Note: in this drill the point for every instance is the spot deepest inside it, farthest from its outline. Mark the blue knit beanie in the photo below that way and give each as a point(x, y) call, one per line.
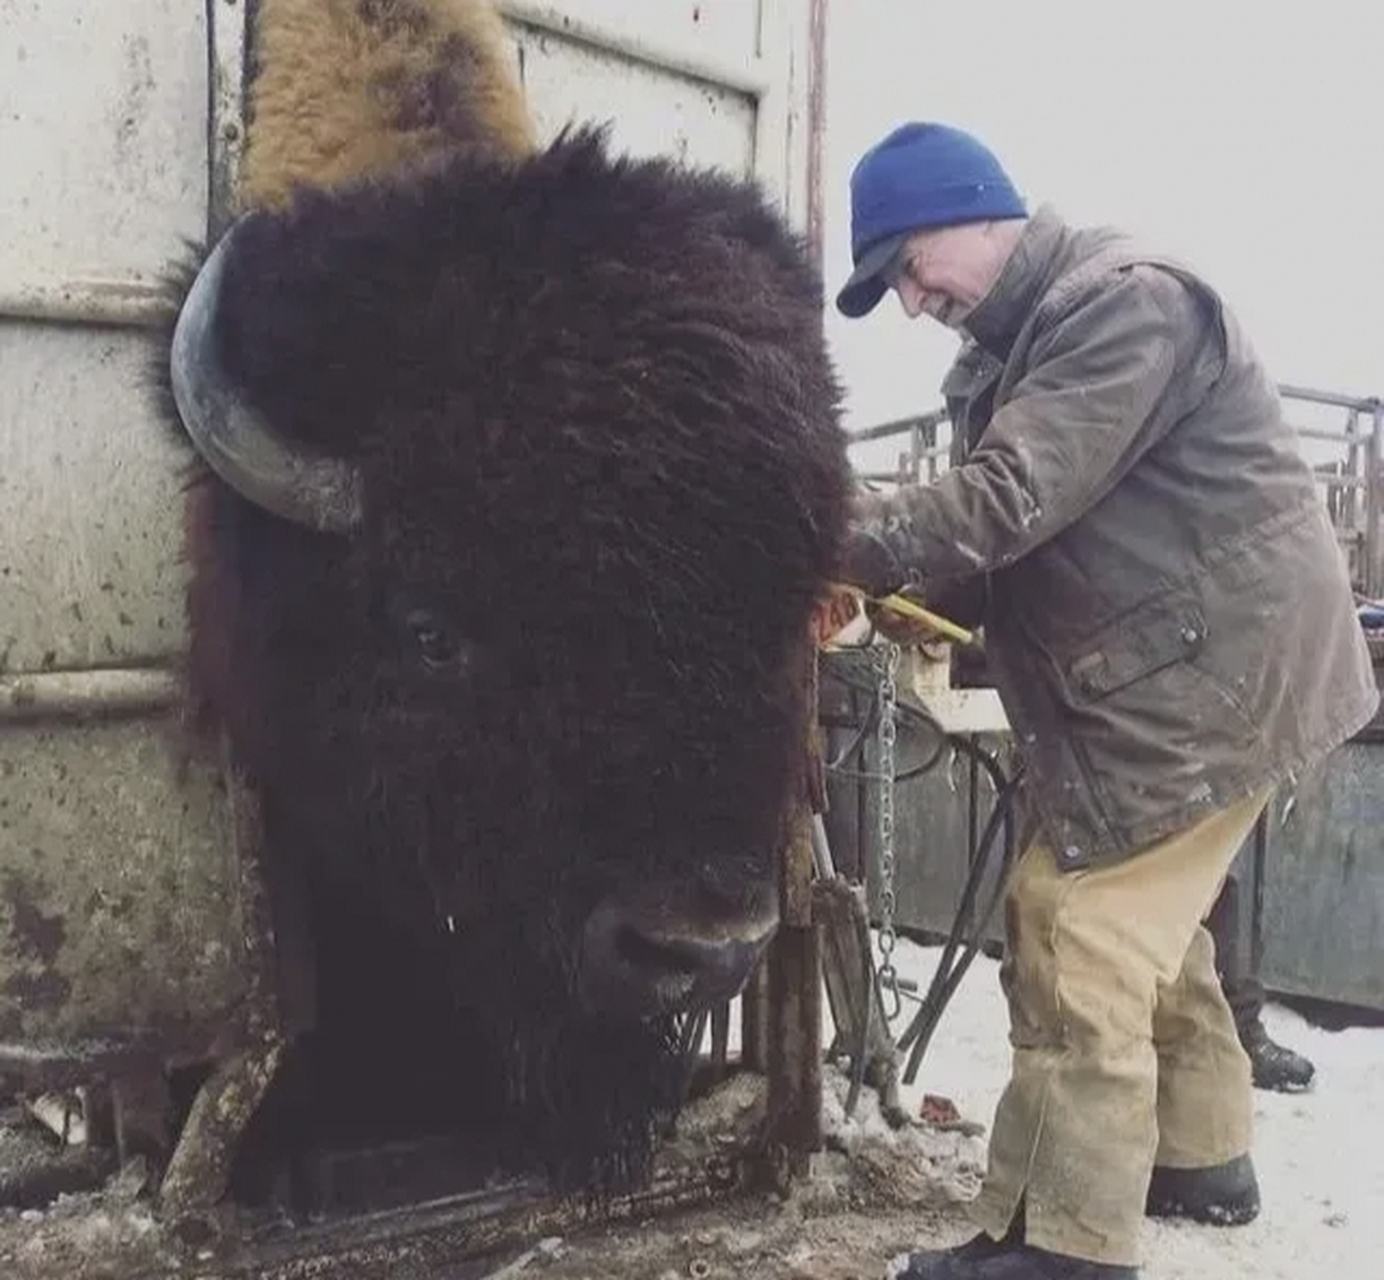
point(921, 175)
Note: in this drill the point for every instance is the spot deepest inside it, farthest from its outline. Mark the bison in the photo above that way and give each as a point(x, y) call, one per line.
point(519, 470)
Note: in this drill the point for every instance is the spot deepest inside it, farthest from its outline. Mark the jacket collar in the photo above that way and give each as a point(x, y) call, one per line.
point(996, 319)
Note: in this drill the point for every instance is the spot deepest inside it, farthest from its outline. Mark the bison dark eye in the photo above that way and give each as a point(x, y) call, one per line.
point(438, 647)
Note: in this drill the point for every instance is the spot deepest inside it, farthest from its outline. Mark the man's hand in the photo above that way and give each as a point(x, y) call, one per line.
point(868, 563)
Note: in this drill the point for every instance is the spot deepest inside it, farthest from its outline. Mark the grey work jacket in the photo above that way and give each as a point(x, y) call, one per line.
point(1168, 616)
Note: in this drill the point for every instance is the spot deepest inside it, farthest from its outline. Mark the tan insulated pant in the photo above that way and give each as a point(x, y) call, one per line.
point(1125, 1051)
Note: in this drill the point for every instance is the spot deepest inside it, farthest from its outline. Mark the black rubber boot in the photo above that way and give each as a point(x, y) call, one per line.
point(1275, 1067)
point(985, 1259)
point(1224, 1195)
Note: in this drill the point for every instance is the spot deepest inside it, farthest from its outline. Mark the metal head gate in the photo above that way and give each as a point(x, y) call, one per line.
point(133, 928)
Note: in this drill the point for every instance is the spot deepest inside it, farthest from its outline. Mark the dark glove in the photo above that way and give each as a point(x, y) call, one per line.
point(868, 564)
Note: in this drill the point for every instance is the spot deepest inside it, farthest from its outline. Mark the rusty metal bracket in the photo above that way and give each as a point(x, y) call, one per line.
point(862, 1031)
point(200, 1168)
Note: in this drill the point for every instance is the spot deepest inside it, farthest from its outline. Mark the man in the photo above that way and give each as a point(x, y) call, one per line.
point(1170, 625)
point(1273, 1066)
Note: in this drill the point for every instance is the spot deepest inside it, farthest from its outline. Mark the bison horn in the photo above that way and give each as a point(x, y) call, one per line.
point(321, 492)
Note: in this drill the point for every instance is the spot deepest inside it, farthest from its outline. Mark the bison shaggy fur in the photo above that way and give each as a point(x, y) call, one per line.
point(558, 663)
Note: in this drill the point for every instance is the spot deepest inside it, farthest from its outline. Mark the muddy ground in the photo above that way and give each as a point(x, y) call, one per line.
point(872, 1192)
point(762, 1238)
point(758, 1237)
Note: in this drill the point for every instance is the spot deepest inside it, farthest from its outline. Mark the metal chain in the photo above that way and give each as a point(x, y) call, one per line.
point(887, 734)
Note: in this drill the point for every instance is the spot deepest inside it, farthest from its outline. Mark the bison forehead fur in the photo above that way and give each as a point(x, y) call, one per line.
point(559, 663)
point(597, 430)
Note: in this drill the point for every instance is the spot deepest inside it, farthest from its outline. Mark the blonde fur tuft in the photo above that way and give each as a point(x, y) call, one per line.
point(350, 89)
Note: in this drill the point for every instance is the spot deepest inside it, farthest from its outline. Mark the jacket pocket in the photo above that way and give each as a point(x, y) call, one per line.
point(1139, 644)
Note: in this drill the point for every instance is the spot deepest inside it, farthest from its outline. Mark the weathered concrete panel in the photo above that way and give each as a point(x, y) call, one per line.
point(91, 569)
point(103, 138)
point(123, 912)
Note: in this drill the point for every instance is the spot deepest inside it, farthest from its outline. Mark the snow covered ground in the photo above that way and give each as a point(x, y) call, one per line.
point(1319, 1155)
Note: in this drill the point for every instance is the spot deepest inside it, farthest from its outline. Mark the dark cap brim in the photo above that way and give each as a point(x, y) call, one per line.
point(862, 292)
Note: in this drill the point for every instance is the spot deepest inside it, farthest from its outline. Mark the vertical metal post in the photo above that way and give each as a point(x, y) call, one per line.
point(816, 128)
point(787, 1011)
point(754, 1019)
point(972, 816)
point(1373, 572)
point(720, 1041)
point(794, 1129)
point(1351, 498)
point(227, 28)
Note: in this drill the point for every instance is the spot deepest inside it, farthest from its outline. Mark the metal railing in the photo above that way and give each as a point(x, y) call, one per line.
point(922, 461)
point(1353, 483)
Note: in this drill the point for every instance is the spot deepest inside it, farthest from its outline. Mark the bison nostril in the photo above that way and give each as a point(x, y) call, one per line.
point(672, 955)
point(633, 961)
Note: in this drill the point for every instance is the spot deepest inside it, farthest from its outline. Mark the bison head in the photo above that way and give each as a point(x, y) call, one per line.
point(529, 474)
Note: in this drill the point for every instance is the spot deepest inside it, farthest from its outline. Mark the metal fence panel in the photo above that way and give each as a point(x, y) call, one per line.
point(1321, 931)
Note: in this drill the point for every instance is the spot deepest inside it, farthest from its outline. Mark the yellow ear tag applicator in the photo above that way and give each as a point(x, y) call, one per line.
point(906, 608)
point(831, 621)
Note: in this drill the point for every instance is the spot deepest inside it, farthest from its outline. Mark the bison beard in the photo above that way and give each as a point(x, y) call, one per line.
point(528, 735)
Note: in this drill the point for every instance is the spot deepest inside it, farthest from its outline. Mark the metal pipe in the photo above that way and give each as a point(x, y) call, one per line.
point(1348, 502)
point(816, 129)
point(120, 303)
point(1342, 481)
point(741, 76)
point(63, 694)
point(897, 427)
point(794, 963)
point(926, 452)
point(754, 1020)
point(1365, 405)
point(1323, 433)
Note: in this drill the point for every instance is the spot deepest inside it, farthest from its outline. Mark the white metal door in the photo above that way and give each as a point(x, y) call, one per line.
point(726, 83)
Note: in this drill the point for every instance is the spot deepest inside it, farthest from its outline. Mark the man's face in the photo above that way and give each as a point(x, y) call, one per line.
point(935, 273)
